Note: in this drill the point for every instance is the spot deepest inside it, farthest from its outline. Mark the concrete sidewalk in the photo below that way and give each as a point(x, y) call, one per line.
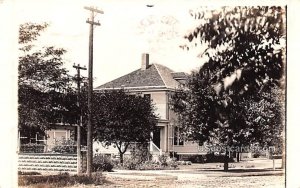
point(190, 175)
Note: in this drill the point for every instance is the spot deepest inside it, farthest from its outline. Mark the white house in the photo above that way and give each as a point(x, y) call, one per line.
point(156, 82)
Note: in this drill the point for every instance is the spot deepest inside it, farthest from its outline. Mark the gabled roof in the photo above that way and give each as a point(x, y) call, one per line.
point(155, 76)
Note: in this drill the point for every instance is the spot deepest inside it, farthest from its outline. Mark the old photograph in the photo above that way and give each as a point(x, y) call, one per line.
point(150, 94)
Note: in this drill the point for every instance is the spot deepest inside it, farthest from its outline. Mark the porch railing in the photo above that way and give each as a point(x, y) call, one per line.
point(155, 149)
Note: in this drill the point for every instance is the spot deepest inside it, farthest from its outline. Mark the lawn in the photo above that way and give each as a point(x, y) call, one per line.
point(250, 173)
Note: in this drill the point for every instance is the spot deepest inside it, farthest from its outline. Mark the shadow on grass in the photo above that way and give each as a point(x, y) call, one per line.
point(243, 172)
point(247, 170)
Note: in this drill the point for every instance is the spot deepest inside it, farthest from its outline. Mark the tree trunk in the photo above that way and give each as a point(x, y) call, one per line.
point(238, 156)
point(226, 161)
point(121, 158)
point(121, 152)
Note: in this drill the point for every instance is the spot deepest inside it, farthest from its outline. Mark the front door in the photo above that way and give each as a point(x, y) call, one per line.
point(156, 136)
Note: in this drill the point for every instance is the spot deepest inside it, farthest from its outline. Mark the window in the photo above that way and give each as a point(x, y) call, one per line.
point(178, 137)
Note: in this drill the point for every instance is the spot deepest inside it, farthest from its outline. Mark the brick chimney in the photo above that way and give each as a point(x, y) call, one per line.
point(145, 61)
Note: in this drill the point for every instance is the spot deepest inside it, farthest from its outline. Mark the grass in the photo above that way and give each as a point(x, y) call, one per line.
point(60, 180)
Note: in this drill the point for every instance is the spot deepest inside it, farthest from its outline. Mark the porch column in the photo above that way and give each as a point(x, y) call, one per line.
point(165, 140)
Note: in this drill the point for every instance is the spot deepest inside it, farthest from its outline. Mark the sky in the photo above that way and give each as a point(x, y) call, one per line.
point(128, 29)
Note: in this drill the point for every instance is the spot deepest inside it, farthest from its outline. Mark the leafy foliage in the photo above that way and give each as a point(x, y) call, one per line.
point(102, 163)
point(246, 39)
point(130, 164)
point(246, 62)
point(122, 119)
point(46, 94)
point(163, 159)
point(213, 158)
point(41, 68)
point(29, 32)
point(65, 146)
point(140, 153)
point(32, 148)
point(265, 114)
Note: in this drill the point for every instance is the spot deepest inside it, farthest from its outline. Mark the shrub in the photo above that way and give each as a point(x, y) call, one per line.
point(134, 163)
point(150, 165)
point(256, 155)
point(65, 146)
point(140, 153)
point(130, 165)
point(163, 160)
point(102, 163)
point(32, 148)
point(197, 158)
point(173, 164)
point(212, 158)
point(116, 162)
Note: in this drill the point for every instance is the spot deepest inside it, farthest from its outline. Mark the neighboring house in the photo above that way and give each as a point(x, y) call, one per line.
point(57, 133)
point(156, 82)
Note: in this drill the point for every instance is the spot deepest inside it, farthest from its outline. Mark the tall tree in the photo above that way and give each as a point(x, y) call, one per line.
point(45, 88)
point(122, 119)
point(245, 50)
point(265, 113)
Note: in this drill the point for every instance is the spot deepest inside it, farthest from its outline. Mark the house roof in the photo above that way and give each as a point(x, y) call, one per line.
point(179, 75)
point(155, 76)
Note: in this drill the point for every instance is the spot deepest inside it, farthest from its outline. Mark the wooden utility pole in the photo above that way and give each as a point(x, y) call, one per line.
point(79, 124)
point(92, 22)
